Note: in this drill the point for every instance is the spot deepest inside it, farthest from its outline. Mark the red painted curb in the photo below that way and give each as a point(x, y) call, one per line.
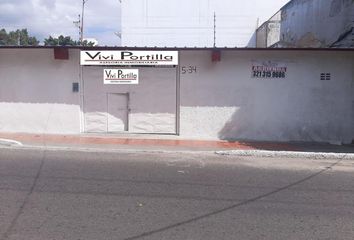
point(107, 140)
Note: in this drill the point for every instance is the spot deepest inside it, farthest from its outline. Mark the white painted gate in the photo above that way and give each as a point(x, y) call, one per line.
point(147, 107)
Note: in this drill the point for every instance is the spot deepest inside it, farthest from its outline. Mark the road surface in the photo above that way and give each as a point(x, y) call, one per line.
point(56, 195)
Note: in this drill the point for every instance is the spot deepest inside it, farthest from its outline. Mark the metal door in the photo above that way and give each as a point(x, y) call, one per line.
point(154, 102)
point(117, 112)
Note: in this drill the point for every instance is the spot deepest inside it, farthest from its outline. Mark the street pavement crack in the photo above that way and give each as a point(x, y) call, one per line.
point(25, 201)
point(248, 201)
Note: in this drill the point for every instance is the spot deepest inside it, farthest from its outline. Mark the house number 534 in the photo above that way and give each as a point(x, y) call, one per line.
point(188, 69)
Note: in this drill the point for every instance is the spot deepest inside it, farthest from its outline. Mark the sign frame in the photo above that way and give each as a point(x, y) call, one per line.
point(124, 76)
point(128, 58)
point(269, 70)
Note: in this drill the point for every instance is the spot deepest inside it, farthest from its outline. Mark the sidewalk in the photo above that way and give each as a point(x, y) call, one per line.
point(161, 143)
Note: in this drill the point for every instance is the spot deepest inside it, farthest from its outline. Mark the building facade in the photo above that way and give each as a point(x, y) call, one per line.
point(190, 23)
point(310, 23)
point(228, 94)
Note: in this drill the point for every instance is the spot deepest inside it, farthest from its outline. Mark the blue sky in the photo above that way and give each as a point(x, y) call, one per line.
point(55, 17)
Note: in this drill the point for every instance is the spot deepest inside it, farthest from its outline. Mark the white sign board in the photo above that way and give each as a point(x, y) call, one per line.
point(121, 76)
point(129, 58)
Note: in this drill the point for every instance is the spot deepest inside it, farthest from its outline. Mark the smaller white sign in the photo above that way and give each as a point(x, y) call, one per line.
point(121, 76)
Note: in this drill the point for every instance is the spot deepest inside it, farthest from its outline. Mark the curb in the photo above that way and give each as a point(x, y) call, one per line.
point(241, 153)
point(9, 142)
point(102, 150)
point(286, 154)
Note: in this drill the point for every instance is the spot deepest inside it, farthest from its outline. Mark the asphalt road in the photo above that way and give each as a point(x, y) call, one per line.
point(56, 195)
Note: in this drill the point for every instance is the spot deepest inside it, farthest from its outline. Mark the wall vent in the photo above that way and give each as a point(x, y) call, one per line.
point(325, 76)
point(61, 53)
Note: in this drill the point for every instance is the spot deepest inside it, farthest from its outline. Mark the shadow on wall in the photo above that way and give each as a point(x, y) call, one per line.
point(237, 126)
point(248, 123)
point(294, 138)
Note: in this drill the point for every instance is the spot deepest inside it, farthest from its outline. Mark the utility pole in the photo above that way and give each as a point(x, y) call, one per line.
point(19, 38)
point(82, 22)
point(214, 30)
point(78, 25)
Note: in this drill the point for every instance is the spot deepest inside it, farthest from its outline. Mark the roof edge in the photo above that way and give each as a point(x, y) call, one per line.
point(175, 48)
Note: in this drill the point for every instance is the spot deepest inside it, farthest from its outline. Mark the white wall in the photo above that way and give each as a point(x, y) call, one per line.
point(36, 92)
point(219, 101)
point(191, 22)
point(223, 101)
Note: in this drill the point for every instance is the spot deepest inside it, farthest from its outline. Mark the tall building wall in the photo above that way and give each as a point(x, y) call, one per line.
point(191, 22)
point(311, 23)
point(316, 23)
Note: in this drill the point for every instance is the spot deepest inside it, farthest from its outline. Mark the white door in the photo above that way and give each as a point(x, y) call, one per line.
point(117, 112)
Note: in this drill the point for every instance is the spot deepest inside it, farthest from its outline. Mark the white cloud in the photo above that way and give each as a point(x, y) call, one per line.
point(55, 17)
point(49, 4)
